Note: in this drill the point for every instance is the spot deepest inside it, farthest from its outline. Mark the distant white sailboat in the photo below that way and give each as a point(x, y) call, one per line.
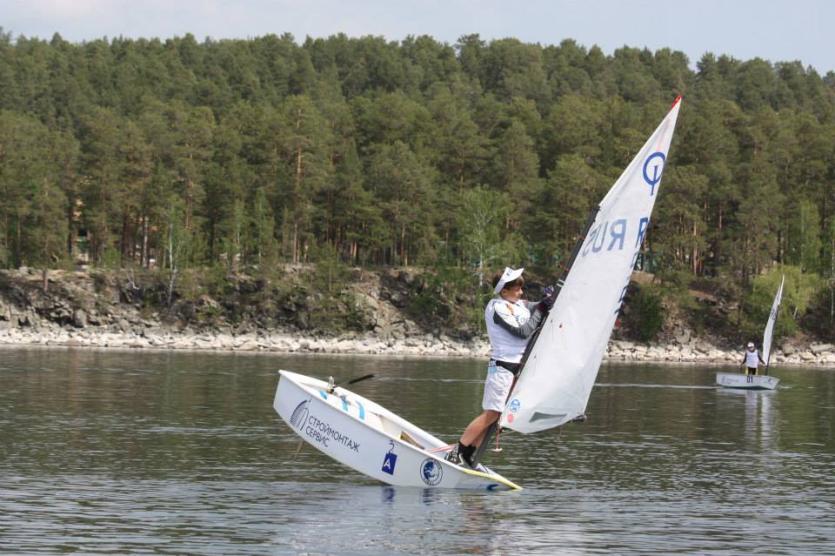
point(758, 382)
point(559, 371)
point(772, 320)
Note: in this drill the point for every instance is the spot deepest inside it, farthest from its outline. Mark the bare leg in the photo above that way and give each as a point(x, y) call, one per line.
point(474, 433)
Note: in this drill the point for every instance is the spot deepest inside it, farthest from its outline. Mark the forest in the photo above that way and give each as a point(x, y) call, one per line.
point(175, 156)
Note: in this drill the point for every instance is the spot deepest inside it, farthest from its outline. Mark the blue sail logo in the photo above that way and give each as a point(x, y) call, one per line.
point(652, 174)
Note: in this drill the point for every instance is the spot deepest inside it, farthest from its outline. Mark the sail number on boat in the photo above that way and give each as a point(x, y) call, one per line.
point(617, 234)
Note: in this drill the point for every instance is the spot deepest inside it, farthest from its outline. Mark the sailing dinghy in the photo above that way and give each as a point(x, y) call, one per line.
point(758, 382)
point(745, 382)
point(558, 373)
point(371, 439)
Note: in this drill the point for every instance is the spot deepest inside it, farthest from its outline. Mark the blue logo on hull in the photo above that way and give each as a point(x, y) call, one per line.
point(431, 472)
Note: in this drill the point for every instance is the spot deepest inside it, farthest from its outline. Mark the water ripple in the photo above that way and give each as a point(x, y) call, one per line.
point(182, 454)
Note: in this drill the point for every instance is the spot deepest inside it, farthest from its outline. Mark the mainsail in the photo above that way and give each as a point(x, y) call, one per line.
point(559, 372)
point(772, 318)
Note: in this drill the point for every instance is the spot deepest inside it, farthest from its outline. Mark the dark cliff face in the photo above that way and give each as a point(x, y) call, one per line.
point(387, 303)
point(391, 302)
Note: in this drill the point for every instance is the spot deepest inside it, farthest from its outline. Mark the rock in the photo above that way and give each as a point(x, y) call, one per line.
point(683, 338)
point(25, 319)
point(657, 352)
point(702, 347)
point(716, 355)
point(79, 318)
point(406, 277)
point(818, 349)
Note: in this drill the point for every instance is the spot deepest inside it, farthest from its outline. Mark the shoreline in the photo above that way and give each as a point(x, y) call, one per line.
point(695, 351)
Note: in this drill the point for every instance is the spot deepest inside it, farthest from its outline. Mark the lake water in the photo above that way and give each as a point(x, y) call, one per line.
point(181, 453)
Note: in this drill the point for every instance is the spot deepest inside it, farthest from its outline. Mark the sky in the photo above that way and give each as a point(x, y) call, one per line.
point(775, 30)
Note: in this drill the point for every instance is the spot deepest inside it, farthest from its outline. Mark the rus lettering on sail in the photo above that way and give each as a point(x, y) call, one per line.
point(643, 224)
point(611, 236)
point(606, 235)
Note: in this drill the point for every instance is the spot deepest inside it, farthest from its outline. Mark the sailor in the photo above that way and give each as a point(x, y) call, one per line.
point(510, 323)
point(751, 360)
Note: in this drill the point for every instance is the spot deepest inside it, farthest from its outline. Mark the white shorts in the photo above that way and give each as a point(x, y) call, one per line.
point(496, 388)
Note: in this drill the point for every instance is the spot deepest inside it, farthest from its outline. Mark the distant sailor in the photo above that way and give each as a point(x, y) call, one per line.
point(751, 360)
point(510, 323)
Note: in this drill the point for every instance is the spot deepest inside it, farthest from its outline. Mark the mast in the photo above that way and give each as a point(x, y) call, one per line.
point(492, 429)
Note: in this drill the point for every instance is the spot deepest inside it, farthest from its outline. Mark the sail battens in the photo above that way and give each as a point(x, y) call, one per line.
point(537, 416)
point(559, 372)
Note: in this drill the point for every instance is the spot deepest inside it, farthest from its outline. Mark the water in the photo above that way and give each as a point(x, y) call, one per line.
point(181, 453)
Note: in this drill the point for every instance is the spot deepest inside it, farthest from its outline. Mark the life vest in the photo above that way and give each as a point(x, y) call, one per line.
point(504, 346)
point(752, 359)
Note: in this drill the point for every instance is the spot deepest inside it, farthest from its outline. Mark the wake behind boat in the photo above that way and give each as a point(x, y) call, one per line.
point(370, 439)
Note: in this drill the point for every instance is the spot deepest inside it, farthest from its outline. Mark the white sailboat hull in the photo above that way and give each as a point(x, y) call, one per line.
point(739, 380)
point(372, 440)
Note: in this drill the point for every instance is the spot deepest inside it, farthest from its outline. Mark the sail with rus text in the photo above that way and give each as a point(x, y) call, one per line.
point(559, 373)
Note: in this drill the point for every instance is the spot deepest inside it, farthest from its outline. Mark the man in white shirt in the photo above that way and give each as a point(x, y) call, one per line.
point(751, 360)
point(510, 323)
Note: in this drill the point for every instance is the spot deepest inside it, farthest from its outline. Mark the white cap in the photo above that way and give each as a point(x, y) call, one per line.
point(509, 275)
point(750, 344)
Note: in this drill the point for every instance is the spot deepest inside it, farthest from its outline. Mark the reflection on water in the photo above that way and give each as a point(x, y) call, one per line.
point(172, 453)
point(759, 419)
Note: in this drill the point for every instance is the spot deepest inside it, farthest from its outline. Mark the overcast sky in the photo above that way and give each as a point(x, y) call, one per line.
point(776, 30)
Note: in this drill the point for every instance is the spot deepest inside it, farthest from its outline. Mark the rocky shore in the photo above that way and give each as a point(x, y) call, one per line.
point(86, 310)
point(822, 355)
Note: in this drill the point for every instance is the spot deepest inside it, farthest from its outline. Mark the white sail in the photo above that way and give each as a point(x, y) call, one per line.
point(558, 376)
point(772, 318)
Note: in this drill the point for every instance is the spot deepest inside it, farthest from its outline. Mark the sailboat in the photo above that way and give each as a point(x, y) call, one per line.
point(559, 369)
point(370, 439)
point(758, 382)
